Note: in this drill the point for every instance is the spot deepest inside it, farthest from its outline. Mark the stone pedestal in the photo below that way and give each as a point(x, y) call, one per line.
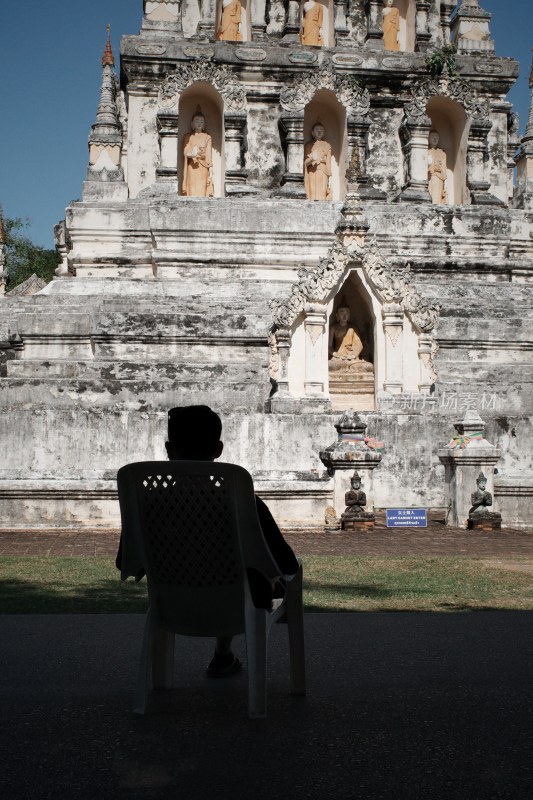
point(363, 521)
point(293, 180)
point(468, 454)
point(414, 135)
point(258, 20)
point(446, 9)
point(351, 451)
point(374, 34)
point(392, 314)
point(167, 128)
point(423, 35)
point(234, 127)
point(291, 31)
point(489, 522)
point(478, 178)
point(341, 28)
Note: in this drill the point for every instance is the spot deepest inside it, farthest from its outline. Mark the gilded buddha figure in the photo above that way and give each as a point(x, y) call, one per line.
point(317, 165)
point(197, 159)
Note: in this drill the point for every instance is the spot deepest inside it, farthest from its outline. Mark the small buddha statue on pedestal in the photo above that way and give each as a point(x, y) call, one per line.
point(313, 18)
point(355, 516)
point(479, 515)
point(391, 26)
point(349, 373)
point(437, 170)
point(317, 165)
point(345, 346)
point(230, 22)
point(197, 159)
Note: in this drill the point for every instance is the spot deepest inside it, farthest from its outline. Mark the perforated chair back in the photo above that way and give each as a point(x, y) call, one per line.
point(193, 527)
point(196, 528)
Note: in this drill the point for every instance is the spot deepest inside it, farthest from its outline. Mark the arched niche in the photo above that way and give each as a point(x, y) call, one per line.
point(353, 384)
point(396, 323)
point(328, 20)
point(308, 361)
point(325, 107)
point(450, 121)
point(245, 28)
point(203, 95)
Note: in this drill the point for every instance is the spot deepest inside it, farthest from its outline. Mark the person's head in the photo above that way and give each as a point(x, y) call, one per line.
point(433, 139)
point(193, 434)
point(343, 315)
point(389, 3)
point(318, 131)
point(198, 120)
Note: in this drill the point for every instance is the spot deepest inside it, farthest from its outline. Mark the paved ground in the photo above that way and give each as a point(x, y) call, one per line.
point(435, 540)
point(399, 707)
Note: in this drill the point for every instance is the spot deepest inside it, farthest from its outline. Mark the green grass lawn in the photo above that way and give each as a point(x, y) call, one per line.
point(332, 583)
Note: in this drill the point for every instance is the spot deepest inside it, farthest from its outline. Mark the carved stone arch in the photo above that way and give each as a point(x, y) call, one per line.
point(428, 101)
point(203, 71)
point(391, 284)
point(395, 294)
point(220, 81)
point(297, 94)
point(476, 107)
point(324, 107)
point(348, 90)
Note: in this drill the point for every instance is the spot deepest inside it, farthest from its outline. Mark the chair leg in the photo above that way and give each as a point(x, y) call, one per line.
point(144, 680)
point(256, 655)
point(163, 659)
point(295, 626)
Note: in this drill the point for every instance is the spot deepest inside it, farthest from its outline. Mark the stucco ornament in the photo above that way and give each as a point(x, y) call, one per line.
point(295, 96)
point(391, 284)
point(220, 77)
point(477, 108)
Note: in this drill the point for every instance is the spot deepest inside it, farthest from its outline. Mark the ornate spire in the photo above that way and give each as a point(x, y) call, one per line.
point(108, 59)
point(106, 133)
point(107, 116)
point(528, 135)
point(3, 259)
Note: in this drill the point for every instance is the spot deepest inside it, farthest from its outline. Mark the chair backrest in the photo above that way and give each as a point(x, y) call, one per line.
point(195, 524)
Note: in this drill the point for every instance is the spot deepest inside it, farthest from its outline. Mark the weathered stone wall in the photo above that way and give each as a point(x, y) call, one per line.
point(167, 300)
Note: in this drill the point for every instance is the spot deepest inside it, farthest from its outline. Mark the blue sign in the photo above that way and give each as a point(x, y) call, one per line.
point(407, 518)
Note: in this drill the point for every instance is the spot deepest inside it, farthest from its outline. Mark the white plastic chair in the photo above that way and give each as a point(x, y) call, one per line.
point(193, 527)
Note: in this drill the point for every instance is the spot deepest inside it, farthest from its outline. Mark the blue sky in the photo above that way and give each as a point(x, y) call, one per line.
point(50, 72)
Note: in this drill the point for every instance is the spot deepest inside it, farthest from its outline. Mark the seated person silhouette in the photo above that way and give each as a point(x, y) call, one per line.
point(194, 435)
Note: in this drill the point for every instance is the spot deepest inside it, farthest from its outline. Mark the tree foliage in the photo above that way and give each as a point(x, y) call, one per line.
point(24, 257)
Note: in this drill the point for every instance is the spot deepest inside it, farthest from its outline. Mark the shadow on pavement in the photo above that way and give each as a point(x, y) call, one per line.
point(399, 705)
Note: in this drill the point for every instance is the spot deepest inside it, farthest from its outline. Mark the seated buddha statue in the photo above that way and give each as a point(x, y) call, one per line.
point(345, 346)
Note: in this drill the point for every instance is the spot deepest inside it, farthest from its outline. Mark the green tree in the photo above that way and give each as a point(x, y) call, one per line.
point(24, 258)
